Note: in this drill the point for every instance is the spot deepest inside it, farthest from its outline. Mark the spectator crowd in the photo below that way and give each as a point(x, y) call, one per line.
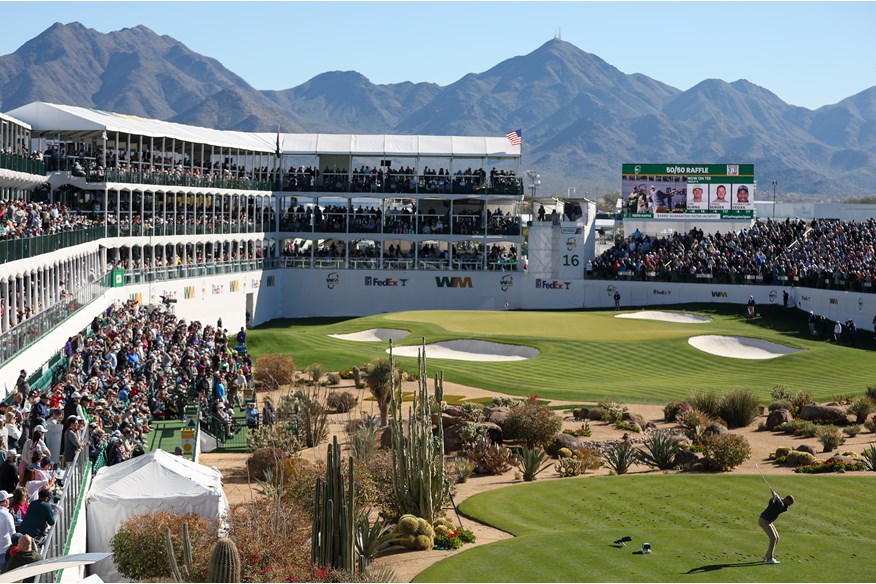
point(819, 253)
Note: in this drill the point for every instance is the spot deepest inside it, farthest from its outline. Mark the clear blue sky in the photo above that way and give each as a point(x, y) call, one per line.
point(808, 53)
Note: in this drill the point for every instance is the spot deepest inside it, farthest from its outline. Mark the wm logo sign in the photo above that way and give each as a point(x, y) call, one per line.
point(235, 286)
point(718, 294)
point(189, 292)
point(454, 282)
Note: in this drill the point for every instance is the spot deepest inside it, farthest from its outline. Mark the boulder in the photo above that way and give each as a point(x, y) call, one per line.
point(844, 458)
point(632, 418)
point(715, 429)
point(819, 412)
point(581, 414)
point(685, 458)
point(777, 418)
point(497, 415)
point(448, 420)
point(805, 448)
point(562, 440)
point(452, 438)
point(386, 437)
point(494, 431)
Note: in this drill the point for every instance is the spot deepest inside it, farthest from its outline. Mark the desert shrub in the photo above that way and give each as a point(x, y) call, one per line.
point(803, 428)
point(312, 411)
point(272, 371)
point(781, 393)
point(472, 431)
point(852, 431)
point(861, 408)
point(379, 469)
point(380, 377)
point(841, 399)
point(569, 466)
point(333, 378)
point(257, 527)
point(364, 443)
point(345, 374)
point(612, 412)
point(871, 424)
point(871, 392)
point(868, 455)
point(341, 401)
point(464, 467)
point(830, 437)
point(262, 460)
point(138, 545)
point(798, 400)
point(726, 451)
point(280, 435)
point(619, 457)
point(533, 423)
point(315, 372)
point(531, 462)
point(659, 451)
point(693, 422)
point(294, 481)
point(628, 427)
point(471, 411)
point(738, 408)
point(507, 402)
point(671, 410)
point(707, 403)
point(779, 405)
point(489, 457)
point(591, 459)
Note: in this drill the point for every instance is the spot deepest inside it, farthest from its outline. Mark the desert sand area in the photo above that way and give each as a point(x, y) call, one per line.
point(407, 564)
point(373, 335)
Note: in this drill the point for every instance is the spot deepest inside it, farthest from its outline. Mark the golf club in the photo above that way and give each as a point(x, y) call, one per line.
point(764, 479)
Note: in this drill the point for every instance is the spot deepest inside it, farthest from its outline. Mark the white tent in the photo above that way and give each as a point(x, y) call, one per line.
point(157, 481)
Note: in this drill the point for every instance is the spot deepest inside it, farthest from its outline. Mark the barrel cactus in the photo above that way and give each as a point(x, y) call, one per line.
point(415, 532)
point(225, 562)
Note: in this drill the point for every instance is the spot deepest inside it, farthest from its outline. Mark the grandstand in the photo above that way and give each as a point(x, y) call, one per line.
point(112, 222)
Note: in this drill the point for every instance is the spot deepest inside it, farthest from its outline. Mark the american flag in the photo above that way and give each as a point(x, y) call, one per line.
point(515, 137)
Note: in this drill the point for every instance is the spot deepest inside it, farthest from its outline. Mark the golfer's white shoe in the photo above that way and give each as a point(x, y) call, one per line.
point(772, 561)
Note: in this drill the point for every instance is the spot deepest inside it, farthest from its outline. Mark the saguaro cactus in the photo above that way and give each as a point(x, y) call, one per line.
point(419, 481)
point(184, 573)
point(225, 562)
point(333, 535)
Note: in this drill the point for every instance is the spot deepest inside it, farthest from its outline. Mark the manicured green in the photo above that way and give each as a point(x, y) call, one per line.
point(590, 355)
point(702, 528)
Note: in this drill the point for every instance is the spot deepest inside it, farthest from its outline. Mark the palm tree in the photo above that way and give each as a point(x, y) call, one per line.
point(378, 378)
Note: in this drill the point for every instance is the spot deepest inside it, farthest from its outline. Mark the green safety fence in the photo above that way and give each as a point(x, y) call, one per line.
point(18, 249)
point(22, 164)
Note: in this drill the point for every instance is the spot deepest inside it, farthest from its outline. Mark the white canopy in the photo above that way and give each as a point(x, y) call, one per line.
point(49, 117)
point(157, 481)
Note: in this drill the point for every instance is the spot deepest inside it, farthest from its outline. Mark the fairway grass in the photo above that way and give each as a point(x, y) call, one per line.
point(590, 355)
point(702, 528)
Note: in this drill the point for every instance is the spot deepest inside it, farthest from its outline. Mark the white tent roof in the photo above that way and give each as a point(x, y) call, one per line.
point(154, 475)
point(14, 121)
point(48, 117)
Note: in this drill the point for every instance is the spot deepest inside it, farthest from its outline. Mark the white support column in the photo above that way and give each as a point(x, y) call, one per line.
point(13, 302)
point(4, 318)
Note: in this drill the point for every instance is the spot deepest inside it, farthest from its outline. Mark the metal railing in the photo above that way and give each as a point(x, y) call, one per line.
point(169, 178)
point(22, 164)
point(28, 247)
point(184, 228)
point(58, 536)
point(27, 332)
point(197, 271)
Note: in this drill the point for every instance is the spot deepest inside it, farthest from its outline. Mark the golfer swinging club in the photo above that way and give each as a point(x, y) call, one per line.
point(776, 506)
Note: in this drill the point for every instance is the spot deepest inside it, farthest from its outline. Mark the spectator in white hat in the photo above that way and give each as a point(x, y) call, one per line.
point(7, 527)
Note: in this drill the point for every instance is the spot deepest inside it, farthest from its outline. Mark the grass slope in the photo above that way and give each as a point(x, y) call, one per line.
point(703, 528)
point(590, 355)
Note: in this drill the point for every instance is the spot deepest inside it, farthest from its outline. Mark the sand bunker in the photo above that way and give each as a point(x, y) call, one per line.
point(372, 335)
point(667, 316)
point(740, 347)
point(470, 351)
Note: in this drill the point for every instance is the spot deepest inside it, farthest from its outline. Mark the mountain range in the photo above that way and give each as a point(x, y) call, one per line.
point(581, 117)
